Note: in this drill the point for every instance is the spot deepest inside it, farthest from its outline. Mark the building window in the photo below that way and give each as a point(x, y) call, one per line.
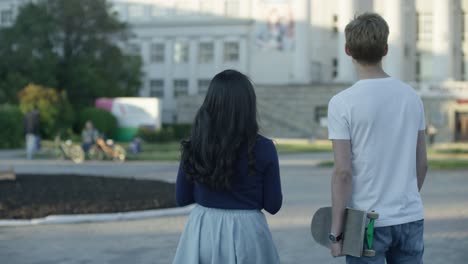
point(203, 85)
point(206, 7)
point(134, 49)
point(335, 23)
point(205, 52)
point(118, 10)
point(6, 17)
point(232, 8)
point(463, 67)
point(157, 51)
point(157, 88)
point(464, 26)
point(335, 68)
point(417, 71)
point(180, 87)
point(183, 7)
point(424, 26)
point(406, 50)
point(321, 113)
point(231, 51)
point(159, 11)
point(181, 52)
point(136, 11)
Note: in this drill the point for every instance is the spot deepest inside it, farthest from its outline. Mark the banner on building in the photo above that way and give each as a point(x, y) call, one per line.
point(275, 25)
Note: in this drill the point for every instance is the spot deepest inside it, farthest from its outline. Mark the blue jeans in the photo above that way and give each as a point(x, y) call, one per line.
point(398, 244)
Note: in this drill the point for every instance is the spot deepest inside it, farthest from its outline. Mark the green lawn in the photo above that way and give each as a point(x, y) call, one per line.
point(433, 164)
point(326, 164)
point(446, 156)
point(171, 151)
point(440, 158)
point(449, 148)
point(160, 151)
point(448, 164)
point(285, 148)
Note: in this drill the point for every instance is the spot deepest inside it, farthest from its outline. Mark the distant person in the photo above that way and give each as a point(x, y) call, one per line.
point(31, 131)
point(89, 135)
point(135, 145)
point(377, 128)
point(432, 133)
point(231, 173)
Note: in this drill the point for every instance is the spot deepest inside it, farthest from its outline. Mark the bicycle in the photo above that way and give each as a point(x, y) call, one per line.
point(107, 150)
point(66, 149)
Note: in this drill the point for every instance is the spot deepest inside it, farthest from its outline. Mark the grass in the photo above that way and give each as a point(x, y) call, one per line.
point(160, 151)
point(433, 164)
point(171, 151)
point(155, 152)
point(326, 164)
point(452, 151)
point(303, 147)
point(448, 164)
point(446, 157)
point(450, 148)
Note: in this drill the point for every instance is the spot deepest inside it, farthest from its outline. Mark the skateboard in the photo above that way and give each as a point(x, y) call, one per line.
point(358, 226)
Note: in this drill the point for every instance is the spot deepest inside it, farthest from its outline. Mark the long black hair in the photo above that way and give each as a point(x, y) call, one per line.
point(226, 121)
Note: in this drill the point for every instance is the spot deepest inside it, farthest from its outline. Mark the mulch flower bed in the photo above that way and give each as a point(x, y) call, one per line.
point(36, 196)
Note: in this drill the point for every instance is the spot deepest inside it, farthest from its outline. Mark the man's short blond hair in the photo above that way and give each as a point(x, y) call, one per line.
point(366, 38)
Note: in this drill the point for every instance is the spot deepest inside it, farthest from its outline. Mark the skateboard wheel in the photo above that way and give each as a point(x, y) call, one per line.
point(372, 215)
point(368, 253)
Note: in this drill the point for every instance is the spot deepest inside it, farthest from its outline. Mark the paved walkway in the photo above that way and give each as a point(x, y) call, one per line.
point(11, 154)
point(135, 169)
point(154, 240)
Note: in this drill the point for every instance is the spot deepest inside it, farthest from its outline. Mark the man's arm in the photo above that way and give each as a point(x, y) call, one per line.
point(342, 183)
point(421, 159)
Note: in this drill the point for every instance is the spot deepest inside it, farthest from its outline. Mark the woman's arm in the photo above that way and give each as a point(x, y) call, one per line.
point(184, 189)
point(272, 195)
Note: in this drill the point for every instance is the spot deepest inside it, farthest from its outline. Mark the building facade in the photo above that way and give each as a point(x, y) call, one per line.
point(294, 43)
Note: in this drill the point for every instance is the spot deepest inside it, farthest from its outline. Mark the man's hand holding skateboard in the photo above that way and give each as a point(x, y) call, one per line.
point(336, 249)
point(341, 191)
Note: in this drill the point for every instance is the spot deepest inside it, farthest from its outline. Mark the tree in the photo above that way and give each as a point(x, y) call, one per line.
point(56, 114)
point(11, 119)
point(72, 45)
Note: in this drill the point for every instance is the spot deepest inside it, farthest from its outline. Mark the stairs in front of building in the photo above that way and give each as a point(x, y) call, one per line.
point(290, 111)
point(284, 111)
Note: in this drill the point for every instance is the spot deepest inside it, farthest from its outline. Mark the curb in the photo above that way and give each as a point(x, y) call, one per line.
point(93, 218)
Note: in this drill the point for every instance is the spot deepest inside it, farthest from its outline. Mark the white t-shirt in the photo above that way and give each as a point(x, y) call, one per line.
point(382, 118)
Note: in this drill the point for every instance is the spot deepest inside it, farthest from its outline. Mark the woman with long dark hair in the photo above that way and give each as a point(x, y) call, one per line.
point(231, 173)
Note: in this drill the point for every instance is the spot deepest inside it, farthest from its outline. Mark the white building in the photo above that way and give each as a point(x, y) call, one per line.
point(183, 43)
point(9, 10)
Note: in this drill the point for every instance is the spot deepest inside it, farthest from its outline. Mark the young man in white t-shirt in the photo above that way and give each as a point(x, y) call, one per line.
point(377, 128)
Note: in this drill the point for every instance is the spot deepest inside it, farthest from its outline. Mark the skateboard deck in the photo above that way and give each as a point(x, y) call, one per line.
point(354, 229)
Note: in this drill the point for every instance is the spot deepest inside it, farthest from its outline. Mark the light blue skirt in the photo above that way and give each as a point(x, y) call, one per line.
point(221, 236)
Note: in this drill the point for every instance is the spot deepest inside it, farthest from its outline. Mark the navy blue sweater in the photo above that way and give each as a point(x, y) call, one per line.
point(260, 191)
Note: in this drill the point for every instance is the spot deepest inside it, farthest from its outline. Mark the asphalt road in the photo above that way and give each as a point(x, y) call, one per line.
point(305, 188)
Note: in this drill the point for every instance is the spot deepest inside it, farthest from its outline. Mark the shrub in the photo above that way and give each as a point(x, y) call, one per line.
point(104, 121)
point(181, 131)
point(167, 133)
point(11, 118)
point(156, 136)
point(56, 113)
